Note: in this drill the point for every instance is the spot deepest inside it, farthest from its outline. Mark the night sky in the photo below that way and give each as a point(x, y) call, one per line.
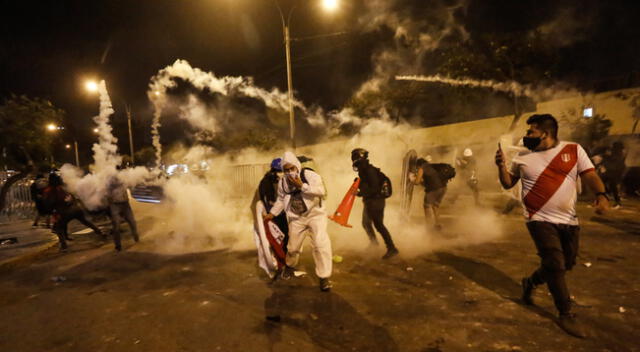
point(48, 47)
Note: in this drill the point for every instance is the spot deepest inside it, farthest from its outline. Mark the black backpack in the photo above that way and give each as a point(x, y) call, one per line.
point(386, 190)
point(446, 171)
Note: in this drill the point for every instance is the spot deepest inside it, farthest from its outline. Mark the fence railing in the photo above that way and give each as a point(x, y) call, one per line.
point(18, 204)
point(248, 176)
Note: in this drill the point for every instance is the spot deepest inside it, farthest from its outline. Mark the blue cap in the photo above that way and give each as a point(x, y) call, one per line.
point(276, 164)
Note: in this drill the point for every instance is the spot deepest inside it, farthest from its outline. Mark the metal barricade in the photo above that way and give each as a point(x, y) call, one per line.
point(18, 204)
point(248, 176)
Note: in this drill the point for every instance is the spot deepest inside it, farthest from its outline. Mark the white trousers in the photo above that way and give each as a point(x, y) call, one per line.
point(316, 226)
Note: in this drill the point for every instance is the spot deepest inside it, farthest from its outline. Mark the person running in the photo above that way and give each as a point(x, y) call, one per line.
point(434, 190)
point(37, 189)
point(300, 194)
point(548, 172)
point(469, 171)
point(66, 208)
point(120, 209)
point(373, 197)
point(612, 171)
point(268, 194)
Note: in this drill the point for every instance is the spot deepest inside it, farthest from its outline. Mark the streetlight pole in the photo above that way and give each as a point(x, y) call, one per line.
point(75, 146)
point(128, 109)
point(329, 5)
point(287, 45)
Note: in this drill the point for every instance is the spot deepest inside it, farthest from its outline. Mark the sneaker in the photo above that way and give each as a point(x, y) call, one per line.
point(287, 273)
point(390, 253)
point(617, 206)
point(527, 291)
point(325, 285)
point(571, 326)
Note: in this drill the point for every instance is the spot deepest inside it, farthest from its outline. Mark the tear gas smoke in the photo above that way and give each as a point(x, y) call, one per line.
point(511, 87)
point(92, 188)
point(228, 86)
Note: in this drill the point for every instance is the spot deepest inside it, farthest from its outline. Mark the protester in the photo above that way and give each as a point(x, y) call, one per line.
point(374, 188)
point(435, 188)
point(549, 171)
point(119, 209)
point(300, 194)
point(37, 189)
point(268, 194)
point(65, 208)
point(612, 169)
point(469, 171)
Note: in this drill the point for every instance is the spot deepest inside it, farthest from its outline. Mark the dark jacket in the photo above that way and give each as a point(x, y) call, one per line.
point(267, 190)
point(431, 178)
point(370, 180)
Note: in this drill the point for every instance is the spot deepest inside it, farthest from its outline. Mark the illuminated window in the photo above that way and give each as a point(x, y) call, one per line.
point(587, 112)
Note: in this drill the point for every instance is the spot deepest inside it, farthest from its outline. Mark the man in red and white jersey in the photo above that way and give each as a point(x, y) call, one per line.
point(549, 172)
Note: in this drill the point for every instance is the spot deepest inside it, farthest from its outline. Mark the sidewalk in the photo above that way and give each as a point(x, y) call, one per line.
point(31, 241)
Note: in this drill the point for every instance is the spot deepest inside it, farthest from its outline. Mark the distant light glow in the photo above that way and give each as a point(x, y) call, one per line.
point(68, 146)
point(52, 127)
point(330, 5)
point(587, 112)
point(91, 86)
point(95, 130)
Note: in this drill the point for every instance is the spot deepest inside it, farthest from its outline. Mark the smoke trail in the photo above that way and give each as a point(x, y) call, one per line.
point(227, 86)
point(105, 152)
point(512, 87)
point(92, 188)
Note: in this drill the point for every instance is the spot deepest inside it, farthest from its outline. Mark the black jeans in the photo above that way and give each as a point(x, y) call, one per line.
point(373, 215)
point(66, 215)
point(557, 247)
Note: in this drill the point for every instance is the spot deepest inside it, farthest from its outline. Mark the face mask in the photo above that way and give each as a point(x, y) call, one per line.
point(291, 174)
point(531, 143)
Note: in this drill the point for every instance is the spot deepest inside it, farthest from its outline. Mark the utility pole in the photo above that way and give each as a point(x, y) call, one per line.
point(75, 146)
point(128, 109)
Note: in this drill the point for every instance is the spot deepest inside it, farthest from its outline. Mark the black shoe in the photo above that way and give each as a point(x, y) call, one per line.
point(390, 253)
point(571, 326)
point(287, 273)
point(136, 238)
point(325, 285)
point(118, 248)
point(527, 291)
point(68, 238)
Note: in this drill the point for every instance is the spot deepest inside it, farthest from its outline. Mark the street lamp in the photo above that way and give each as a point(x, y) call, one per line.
point(328, 5)
point(91, 86)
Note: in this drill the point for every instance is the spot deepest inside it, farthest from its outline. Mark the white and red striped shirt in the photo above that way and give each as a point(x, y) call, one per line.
point(549, 181)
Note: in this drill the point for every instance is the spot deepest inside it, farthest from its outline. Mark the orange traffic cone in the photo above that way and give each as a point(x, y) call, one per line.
point(341, 216)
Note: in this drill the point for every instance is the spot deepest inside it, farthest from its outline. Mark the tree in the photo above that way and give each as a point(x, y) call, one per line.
point(25, 143)
point(525, 57)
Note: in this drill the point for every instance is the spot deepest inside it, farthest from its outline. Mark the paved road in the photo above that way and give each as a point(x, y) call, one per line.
point(458, 298)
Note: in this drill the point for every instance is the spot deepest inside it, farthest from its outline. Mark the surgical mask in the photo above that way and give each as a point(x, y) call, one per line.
point(531, 143)
point(292, 174)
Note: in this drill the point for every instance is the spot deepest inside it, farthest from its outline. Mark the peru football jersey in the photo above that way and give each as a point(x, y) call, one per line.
point(549, 182)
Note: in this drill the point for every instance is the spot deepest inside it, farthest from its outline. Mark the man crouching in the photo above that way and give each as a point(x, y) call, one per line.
point(300, 195)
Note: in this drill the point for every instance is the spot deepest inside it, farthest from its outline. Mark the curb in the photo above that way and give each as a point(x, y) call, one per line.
point(36, 253)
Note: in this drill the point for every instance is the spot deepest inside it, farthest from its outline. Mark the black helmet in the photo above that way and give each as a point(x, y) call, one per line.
point(359, 153)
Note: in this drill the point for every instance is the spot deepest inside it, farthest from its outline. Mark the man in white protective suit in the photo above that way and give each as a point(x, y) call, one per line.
point(300, 194)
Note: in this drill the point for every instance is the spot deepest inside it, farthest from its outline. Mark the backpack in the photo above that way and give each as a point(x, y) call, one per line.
point(386, 190)
point(304, 180)
point(446, 171)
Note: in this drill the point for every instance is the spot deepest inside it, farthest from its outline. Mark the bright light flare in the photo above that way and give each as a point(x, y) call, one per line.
point(52, 127)
point(95, 130)
point(330, 5)
point(91, 86)
point(67, 146)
